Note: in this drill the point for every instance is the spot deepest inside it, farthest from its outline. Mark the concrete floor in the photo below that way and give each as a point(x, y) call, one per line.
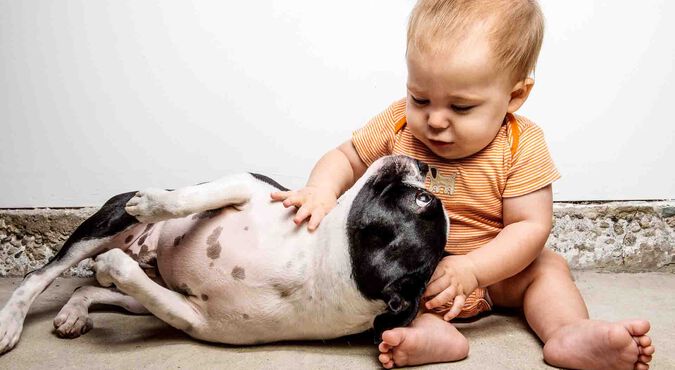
point(498, 341)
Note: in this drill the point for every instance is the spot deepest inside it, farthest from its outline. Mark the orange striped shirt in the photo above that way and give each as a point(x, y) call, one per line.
point(516, 162)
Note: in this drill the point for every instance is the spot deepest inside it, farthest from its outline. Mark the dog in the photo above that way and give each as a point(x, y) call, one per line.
point(223, 263)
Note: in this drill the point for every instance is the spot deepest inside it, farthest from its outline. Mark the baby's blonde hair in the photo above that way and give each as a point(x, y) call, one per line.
point(516, 29)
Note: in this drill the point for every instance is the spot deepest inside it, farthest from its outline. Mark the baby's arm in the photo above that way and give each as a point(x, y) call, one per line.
point(332, 175)
point(527, 224)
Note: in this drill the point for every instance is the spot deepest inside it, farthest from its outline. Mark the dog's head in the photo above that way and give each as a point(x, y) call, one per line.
point(397, 231)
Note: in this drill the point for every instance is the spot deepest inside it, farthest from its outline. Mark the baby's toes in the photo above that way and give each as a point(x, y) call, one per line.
point(641, 366)
point(384, 347)
point(386, 360)
point(643, 341)
point(649, 350)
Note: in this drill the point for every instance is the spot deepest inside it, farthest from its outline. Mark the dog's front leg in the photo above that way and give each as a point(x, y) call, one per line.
point(154, 205)
point(116, 267)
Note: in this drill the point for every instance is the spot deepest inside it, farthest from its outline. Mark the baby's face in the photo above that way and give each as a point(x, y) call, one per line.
point(457, 99)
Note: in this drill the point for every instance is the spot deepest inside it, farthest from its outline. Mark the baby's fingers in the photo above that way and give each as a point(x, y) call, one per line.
point(456, 308)
point(442, 298)
point(436, 286)
point(302, 214)
point(280, 195)
point(293, 200)
point(316, 218)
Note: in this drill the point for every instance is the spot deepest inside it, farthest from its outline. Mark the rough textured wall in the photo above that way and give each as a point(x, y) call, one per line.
point(625, 236)
point(29, 238)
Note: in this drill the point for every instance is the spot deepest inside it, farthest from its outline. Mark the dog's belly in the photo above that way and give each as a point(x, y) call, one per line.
point(209, 254)
point(247, 270)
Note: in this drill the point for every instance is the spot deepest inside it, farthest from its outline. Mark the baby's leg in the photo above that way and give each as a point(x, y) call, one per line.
point(115, 267)
point(73, 319)
point(556, 311)
point(428, 339)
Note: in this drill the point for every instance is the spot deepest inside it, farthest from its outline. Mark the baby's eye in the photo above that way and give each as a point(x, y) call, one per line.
point(419, 101)
point(462, 108)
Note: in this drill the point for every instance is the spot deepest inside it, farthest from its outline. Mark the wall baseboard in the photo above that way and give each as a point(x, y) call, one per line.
point(630, 236)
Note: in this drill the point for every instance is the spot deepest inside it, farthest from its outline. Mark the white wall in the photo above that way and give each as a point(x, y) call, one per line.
point(100, 97)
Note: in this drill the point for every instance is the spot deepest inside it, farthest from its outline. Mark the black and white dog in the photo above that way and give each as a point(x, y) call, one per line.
point(224, 263)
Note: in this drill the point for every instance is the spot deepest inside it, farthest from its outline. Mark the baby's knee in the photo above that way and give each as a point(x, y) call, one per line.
point(551, 262)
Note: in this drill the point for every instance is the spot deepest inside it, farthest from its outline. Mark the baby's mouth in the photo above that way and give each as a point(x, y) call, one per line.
point(438, 143)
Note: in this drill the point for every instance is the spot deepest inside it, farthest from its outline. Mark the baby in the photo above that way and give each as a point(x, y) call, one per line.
point(469, 63)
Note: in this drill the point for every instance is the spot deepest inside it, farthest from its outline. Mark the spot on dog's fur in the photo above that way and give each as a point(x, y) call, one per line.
point(238, 273)
point(286, 290)
point(184, 289)
point(148, 227)
point(246, 317)
point(178, 240)
point(129, 239)
point(213, 238)
point(147, 257)
point(206, 214)
point(213, 251)
point(205, 297)
point(245, 228)
point(142, 239)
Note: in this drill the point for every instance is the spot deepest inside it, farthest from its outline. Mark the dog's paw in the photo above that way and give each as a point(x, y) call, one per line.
point(73, 320)
point(11, 326)
point(116, 267)
point(149, 206)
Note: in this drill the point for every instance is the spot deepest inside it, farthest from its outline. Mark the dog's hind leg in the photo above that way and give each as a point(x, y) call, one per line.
point(73, 320)
point(116, 267)
point(89, 239)
point(154, 205)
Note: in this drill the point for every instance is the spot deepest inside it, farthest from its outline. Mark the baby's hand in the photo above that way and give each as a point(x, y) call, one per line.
point(450, 284)
point(312, 202)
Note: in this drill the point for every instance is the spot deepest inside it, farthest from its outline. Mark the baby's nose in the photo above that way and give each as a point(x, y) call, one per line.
point(438, 120)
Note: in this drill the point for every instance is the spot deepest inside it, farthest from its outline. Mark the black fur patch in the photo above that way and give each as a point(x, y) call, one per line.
point(107, 221)
point(394, 243)
point(269, 181)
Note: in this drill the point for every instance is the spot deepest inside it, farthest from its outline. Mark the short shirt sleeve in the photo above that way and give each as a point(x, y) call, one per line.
point(532, 167)
point(376, 138)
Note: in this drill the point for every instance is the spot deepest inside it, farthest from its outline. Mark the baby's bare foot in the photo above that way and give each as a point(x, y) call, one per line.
point(593, 344)
point(429, 339)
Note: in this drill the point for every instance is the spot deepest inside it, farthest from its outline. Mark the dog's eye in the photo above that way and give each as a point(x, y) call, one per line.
point(423, 198)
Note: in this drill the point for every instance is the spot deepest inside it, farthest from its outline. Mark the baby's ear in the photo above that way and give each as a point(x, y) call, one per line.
point(519, 94)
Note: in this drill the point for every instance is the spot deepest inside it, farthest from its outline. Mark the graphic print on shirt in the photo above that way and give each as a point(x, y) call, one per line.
point(441, 184)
